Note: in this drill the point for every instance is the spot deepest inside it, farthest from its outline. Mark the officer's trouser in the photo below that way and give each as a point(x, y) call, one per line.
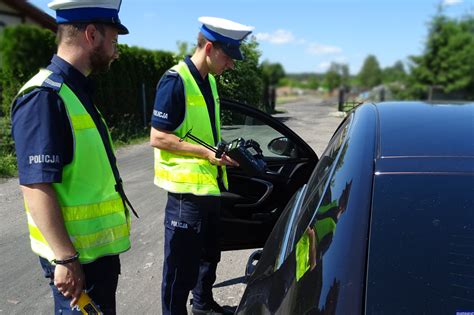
point(191, 251)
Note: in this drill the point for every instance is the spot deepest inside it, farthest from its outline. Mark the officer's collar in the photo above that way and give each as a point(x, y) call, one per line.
point(194, 71)
point(71, 75)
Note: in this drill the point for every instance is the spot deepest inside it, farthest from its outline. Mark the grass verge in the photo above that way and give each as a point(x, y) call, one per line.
point(8, 166)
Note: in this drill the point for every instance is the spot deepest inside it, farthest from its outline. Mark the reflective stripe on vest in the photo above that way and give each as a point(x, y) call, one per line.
point(187, 174)
point(95, 217)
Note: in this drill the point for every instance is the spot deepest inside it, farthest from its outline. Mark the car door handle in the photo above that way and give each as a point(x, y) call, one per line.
point(268, 191)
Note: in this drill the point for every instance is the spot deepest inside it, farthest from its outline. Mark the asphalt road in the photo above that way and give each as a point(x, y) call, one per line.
point(23, 290)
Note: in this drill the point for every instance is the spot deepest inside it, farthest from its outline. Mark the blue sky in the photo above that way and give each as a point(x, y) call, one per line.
point(302, 35)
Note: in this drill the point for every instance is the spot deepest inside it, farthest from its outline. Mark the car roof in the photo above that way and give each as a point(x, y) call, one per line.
point(426, 129)
point(423, 132)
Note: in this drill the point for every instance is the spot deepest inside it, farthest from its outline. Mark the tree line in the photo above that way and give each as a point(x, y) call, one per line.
point(445, 68)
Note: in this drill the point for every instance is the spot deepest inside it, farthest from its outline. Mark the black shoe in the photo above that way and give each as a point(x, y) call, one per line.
point(211, 308)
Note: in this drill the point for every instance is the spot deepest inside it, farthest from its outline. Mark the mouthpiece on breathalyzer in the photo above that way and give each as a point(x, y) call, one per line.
point(87, 306)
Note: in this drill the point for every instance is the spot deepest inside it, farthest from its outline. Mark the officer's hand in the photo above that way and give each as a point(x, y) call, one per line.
point(69, 279)
point(224, 160)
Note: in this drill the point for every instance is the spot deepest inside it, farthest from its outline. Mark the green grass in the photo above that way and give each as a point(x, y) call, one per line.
point(8, 166)
point(134, 140)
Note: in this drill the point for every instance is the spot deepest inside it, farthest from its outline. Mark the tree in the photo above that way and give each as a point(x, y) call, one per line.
point(272, 72)
point(345, 77)
point(332, 79)
point(395, 73)
point(370, 75)
point(244, 83)
point(184, 49)
point(313, 83)
point(336, 76)
point(448, 59)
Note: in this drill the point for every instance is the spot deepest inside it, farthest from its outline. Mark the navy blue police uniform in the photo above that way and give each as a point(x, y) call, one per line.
point(191, 222)
point(44, 145)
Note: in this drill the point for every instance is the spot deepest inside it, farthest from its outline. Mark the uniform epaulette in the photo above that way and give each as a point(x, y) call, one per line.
point(172, 73)
point(54, 81)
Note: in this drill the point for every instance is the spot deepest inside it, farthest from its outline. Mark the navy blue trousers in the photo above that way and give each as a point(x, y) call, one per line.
point(191, 251)
point(101, 277)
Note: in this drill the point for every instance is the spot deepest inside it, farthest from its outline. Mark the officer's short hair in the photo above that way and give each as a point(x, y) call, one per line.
point(67, 32)
point(203, 40)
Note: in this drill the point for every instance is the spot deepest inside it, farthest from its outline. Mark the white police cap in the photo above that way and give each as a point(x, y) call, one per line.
point(88, 11)
point(228, 33)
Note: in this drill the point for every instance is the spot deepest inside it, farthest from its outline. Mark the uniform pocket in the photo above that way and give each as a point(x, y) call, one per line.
point(182, 215)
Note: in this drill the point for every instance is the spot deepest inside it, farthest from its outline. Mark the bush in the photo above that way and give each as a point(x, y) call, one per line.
point(24, 50)
point(7, 157)
point(6, 142)
point(119, 93)
point(8, 165)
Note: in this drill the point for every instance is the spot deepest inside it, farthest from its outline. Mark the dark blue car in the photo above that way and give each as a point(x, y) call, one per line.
point(381, 223)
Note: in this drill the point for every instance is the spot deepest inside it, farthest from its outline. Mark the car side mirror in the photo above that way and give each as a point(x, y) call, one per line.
point(282, 146)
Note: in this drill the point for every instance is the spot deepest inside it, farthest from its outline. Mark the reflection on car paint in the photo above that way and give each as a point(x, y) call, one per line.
point(293, 213)
point(318, 236)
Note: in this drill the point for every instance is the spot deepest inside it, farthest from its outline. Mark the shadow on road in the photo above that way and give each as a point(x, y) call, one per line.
point(282, 118)
point(230, 282)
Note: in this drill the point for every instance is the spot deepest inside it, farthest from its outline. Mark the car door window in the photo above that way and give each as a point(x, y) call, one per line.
point(254, 202)
point(313, 193)
point(236, 125)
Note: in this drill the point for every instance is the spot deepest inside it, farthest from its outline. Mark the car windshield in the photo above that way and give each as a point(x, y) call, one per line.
point(421, 251)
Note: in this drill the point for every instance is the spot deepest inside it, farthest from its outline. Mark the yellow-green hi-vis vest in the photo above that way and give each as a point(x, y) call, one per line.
point(186, 174)
point(94, 214)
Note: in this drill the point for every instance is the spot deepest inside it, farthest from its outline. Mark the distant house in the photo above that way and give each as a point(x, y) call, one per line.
point(14, 12)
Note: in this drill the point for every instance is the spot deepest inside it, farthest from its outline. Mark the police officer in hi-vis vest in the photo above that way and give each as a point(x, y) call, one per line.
point(77, 218)
point(187, 99)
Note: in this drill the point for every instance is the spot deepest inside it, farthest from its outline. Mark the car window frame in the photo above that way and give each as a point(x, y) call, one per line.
point(304, 148)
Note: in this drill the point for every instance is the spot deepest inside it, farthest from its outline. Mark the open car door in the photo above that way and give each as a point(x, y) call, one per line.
point(253, 204)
